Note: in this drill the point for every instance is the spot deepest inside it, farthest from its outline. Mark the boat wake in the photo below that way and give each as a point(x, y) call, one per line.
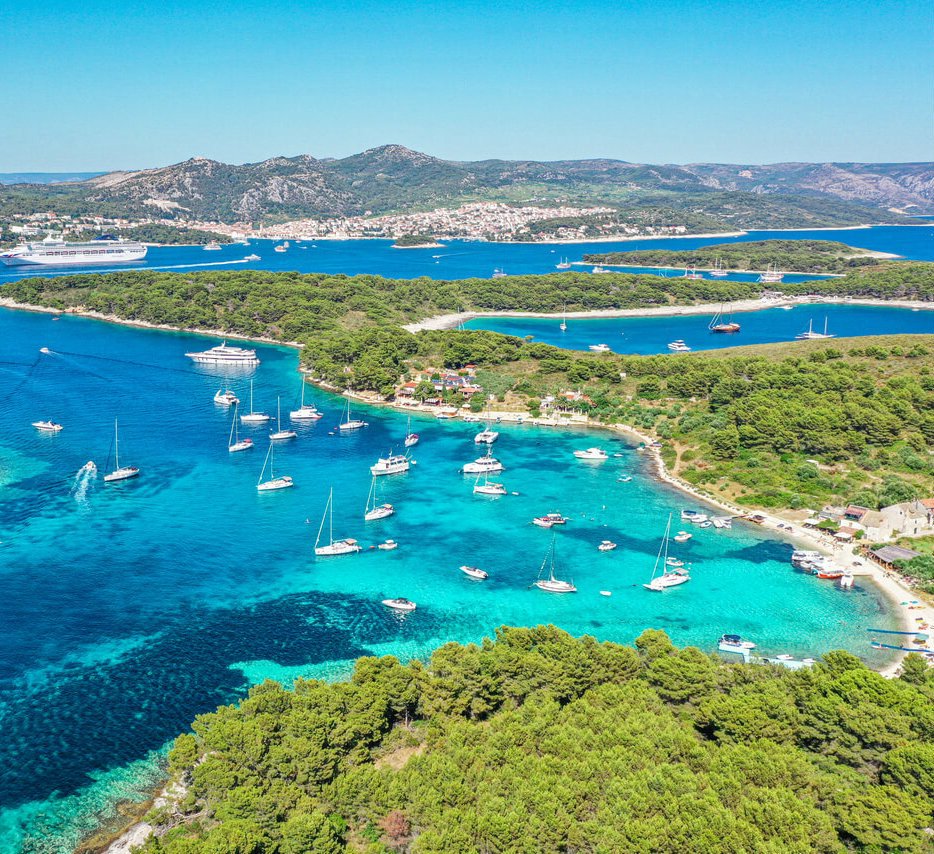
point(82, 482)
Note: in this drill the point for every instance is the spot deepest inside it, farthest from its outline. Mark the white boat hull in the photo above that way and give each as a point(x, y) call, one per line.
point(255, 418)
point(125, 473)
point(281, 435)
point(245, 445)
point(351, 425)
point(60, 257)
point(283, 482)
point(379, 513)
point(342, 547)
point(555, 586)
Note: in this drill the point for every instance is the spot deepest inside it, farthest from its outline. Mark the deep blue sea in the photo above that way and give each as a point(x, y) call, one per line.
point(126, 609)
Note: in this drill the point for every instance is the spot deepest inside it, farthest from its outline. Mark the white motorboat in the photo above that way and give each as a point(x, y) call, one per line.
point(120, 472)
point(375, 511)
point(405, 606)
point(499, 274)
point(606, 546)
point(225, 355)
point(734, 643)
point(682, 537)
point(549, 583)
point(388, 546)
point(350, 423)
point(253, 417)
point(411, 439)
point(305, 411)
point(393, 464)
point(282, 247)
point(487, 464)
point(592, 454)
point(670, 576)
point(212, 246)
point(600, 348)
point(599, 269)
point(674, 562)
point(722, 521)
point(488, 487)
point(279, 434)
point(251, 257)
point(679, 347)
point(274, 483)
point(474, 573)
point(700, 519)
point(234, 442)
point(225, 397)
point(334, 547)
point(47, 426)
point(486, 436)
point(549, 519)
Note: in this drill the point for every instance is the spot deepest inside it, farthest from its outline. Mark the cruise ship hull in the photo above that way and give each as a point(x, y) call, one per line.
point(74, 259)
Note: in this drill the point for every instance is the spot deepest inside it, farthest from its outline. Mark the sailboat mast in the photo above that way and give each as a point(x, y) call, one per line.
point(331, 516)
point(116, 445)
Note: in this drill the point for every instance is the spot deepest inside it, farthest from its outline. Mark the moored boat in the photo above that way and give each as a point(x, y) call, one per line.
point(679, 347)
point(486, 436)
point(334, 547)
point(279, 434)
point(393, 464)
point(734, 643)
point(592, 454)
point(606, 546)
point(253, 417)
point(411, 439)
point(488, 487)
point(234, 442)
point(305, 411)
point(225, 397)
point(721, 324)
point(273, 483)
point(474, 573)
point(549, 583)
point(600, 348)
point(406, 606)
point(350, 423)
point(223, 354)
point(670, 576)
point(487, 464)
point(682, 537)
point(375, 511)
point(549, 519)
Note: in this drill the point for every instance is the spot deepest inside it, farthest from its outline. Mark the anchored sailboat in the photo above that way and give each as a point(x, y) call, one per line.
point(334, 547)
point(281, 434)
point(373, 510)
point(281, 482)
point(351, 423)
point(305, 411)
point(671, 576)
point(253, 417)
point(234, 442)
point(119, 472)
point(411, 439)
point(550, 584)
point(719, 323)
point(564, 319)
point(811, 335)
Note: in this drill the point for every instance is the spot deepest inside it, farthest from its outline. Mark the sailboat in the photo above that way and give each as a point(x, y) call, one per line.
point(373, 510)
point(351, 423)
point(234, 442)
point(488, 487)
point(552, 584)
point(305, 411)
point(563, 264)
point(253, 417)
point(719, 324)
point(718, 272)
point(692, 273)
point(563, 326)
point(671, 576)
point(281, 482)
point(411, 439)
point(281, 434)
point(811, 335)
point(487, 436)
point(771, 276)
point(334, 547)
point(119, 472)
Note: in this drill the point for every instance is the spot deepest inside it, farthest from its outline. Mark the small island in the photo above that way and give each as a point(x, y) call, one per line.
point(416, 241)
point(790, 256)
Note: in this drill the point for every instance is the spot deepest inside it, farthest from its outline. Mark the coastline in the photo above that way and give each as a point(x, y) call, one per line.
point(451, 321)
point(892, 588)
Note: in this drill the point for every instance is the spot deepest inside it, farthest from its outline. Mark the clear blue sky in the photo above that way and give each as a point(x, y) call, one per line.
point(100, 85)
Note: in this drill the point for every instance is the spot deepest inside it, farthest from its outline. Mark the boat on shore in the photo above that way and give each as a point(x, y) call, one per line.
point(334, 547)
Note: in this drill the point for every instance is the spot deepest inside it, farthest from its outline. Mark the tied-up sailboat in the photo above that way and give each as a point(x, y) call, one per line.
point(811, 335)
point(281, 434)
point(373, 510)
point(487, 436)
point(488, 487)
point(119, 472)
point(550, 584)
point(305, 411)
point(234, 442)
point(411, 439)
point(253, 417)
point(719, 323)
point(281, 482)
point(563, 264)
point(334, 547)
point(670, 576)
point(350, 423)
point(718, 272)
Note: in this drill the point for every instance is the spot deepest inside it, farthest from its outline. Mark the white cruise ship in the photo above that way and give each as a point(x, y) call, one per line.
point(55, 252)
point(224, 355)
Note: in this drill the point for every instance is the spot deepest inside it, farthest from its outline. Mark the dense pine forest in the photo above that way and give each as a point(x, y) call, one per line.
point(539, 742)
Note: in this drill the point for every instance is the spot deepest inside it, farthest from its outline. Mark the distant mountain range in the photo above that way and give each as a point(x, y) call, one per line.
point(45, 177)
point(393, 178)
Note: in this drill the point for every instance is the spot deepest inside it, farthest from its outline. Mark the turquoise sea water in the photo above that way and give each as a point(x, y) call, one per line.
point(126, 609)
point(766, 326)
point(462, 259)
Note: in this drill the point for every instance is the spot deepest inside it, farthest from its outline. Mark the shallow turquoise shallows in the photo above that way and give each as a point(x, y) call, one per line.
point(126, 609)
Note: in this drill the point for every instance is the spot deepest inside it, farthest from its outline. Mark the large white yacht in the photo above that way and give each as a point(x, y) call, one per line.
point(393, 464)
point(225, 355)
point(55, 252)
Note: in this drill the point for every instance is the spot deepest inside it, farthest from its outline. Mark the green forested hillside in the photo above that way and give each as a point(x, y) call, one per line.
point(537, 742)
point(803, 256)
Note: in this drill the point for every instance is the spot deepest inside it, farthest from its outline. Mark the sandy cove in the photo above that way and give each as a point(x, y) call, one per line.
point(452, 321)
